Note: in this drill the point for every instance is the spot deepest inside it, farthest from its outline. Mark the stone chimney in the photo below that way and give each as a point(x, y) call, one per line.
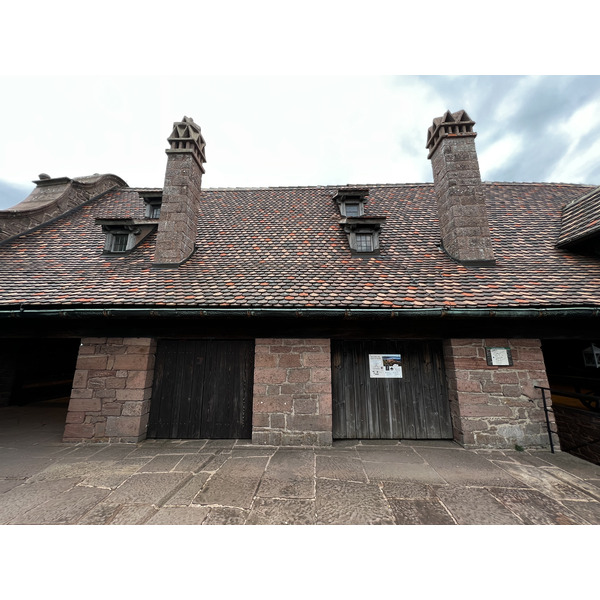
point(178, 221)
point(458, 189)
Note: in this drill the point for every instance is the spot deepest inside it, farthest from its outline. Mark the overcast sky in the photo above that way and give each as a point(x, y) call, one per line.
point(74, 103)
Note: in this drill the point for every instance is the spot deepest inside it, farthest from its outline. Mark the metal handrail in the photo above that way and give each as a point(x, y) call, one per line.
point(546, 411)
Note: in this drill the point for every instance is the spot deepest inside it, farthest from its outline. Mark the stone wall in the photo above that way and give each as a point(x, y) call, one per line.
point(292, 392)
point(497, 406)
point(110, 399)
point(579, 432)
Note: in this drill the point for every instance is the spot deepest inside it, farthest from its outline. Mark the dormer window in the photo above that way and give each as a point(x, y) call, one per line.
point(118, 242)
point(351, 201)
point(352, 209)
point(120, 239)
point(152, 202)
point(123, 235)
point(363, 233)
point(364, 242)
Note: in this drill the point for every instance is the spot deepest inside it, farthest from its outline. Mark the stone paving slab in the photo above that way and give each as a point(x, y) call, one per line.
point(189, 515)
point(461, 467)
point(535, 508)
point(234, 484)
point(290, 474)
point(26, 496)
point(475, 506)
point(391, 471)
point(64, 508)
point(345, 468)
point(148, 488)
point(270, 511)
point(420, 512)
point(351, 503)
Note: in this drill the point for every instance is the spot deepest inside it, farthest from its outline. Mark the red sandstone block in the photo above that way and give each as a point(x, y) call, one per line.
point(97, 361)
point(80, 379)
point(484, 410)
point(265, 361)
point(463, 385)
point(293, 342)
point(135, 409)
point(317, 360)
point(77, 431)
point(85, 404)
point(511, 391)
point(298, 375)
point(260, 420)
point(133, 362)
point(309, 422)
point(139, 379)
point(81, 393)
point(88, 341)
point(280, 349)
point(142, 341)
point(115, 383)
point(270, 375)
point(105, 394)
point(467, 399)
point(505, 377)
point(138, 394)
point(273, 404)
point(496, 342)
point(123, 426)
point(325, 404)
point(463, 342)
point(277, 420)
point(267, 341)
point(307, 349)
point(318, 388)
point(75, 417)
point(464, 351)
point(289, 360)
point(320, 375)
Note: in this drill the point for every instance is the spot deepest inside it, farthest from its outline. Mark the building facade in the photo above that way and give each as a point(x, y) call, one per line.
point(303, 315)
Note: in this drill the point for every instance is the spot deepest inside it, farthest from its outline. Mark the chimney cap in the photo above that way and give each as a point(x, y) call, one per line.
point(456, 124)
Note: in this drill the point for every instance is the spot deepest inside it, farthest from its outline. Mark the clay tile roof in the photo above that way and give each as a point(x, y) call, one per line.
point(284, 248)
point(580, 219)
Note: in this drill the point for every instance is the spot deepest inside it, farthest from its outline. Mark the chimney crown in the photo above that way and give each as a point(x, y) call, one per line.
point(457, 124)
point(187, 137)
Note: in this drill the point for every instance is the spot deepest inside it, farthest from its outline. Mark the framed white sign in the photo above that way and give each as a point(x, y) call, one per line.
point(386, 366)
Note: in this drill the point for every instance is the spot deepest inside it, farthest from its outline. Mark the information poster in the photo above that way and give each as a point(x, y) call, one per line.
point(388, 366)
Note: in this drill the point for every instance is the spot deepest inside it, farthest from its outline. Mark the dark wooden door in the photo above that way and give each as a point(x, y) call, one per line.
point(414, 406)
point(202, 389)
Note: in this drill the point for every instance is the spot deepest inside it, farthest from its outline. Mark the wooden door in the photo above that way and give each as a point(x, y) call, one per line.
point(202, 390)
point(369, 404)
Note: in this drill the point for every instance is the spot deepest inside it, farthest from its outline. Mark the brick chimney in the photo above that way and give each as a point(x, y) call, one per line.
point(178, 221)
point(458, 189)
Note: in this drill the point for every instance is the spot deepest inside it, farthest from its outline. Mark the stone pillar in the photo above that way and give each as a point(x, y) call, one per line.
point(497, 406)
point(292, 392)
point(110, 399)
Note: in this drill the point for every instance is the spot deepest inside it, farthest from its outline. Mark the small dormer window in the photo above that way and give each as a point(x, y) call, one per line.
point(152, 202)
point(363, 233)
point(364, 242)
point(118, 242)
point(351, 201)
point(352, 209)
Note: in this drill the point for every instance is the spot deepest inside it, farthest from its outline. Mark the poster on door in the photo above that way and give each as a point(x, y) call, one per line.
point(387, 366)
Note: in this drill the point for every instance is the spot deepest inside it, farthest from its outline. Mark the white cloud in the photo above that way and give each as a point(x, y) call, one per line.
point(492, 157)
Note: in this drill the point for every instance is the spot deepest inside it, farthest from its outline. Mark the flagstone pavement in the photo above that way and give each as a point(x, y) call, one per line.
point(218, 482)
